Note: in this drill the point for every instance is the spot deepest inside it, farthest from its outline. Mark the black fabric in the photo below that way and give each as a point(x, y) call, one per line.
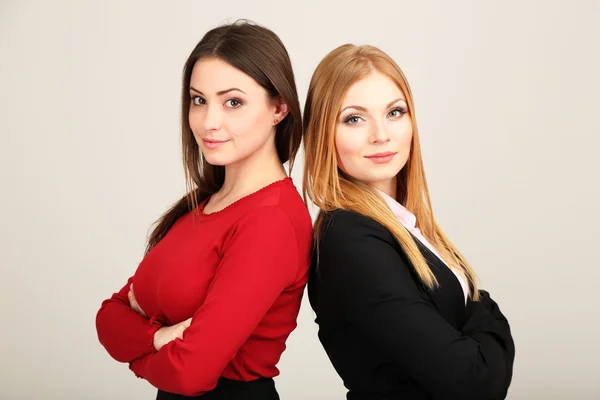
point(390, 337)
point(226, 389)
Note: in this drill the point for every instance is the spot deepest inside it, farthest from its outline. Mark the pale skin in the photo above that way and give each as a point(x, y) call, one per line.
point(233, 121)
point(374, 132)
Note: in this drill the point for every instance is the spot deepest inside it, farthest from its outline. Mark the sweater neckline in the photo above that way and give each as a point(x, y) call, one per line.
point(240, 201)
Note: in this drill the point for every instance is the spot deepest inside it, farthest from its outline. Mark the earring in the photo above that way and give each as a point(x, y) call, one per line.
point(275, 122)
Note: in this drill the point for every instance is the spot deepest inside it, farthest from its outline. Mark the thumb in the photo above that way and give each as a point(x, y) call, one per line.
point(187, 322)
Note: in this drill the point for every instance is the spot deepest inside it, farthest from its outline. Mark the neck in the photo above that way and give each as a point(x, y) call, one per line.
point(252, 173)
point(387, 187)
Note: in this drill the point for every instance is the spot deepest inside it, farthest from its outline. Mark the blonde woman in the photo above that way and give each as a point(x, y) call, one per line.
point(399, 310)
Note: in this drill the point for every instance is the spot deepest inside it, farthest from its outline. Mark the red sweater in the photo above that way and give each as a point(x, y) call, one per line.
point(239, 272)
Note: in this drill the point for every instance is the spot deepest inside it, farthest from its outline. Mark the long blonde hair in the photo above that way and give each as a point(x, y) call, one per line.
point(331, 189)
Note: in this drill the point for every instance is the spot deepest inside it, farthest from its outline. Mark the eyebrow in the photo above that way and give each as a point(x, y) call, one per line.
point(365, 110)
point(221, 93)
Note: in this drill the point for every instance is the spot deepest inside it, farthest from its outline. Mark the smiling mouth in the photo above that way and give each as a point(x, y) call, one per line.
point(213, 144)
point(214, 141)
point(381, 158)
point(382, 155)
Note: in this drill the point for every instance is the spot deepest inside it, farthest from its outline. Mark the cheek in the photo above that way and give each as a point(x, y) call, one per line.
point(195, 120)
point(247, 124)
point(348, 145)
point(238, 123)
point(402, 133)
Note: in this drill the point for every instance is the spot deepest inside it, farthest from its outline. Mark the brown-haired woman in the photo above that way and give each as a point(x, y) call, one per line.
point(210, 306)
point(399, 311)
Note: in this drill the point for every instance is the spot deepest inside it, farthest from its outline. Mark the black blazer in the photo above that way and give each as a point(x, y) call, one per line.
point(387, 335)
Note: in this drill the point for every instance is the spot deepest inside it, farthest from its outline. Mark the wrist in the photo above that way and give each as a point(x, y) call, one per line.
point(155, 326)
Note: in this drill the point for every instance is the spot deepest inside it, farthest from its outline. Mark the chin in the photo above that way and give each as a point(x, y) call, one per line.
point(384, 174)
point(378, 178)
point(215, 160)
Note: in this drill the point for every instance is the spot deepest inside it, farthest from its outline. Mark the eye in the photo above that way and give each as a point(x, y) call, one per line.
point(233, 103)
point(198, 101)
point(352, 119)
point(397, 112)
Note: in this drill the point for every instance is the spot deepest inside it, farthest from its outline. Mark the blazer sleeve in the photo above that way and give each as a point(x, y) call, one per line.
point(259, 262)
point(488, 305)
point(369, 283)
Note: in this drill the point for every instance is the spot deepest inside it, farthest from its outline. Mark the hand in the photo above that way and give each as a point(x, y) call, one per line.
point(133, 302)
point(167, 334)
point(491, 305)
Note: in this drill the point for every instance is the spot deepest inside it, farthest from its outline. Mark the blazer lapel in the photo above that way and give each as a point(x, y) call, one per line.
point(448, 297)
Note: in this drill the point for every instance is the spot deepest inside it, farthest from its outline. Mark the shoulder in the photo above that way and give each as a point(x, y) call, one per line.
point(283, 200)
point(291, 205)
point(352, 243)
point(265, 218)
point(357, 256)
point(282, 223)
point(345, 225)
point(356, 247)
point(278, 203)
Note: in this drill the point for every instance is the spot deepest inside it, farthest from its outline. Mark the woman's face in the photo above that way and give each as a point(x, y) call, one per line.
point(374, 131)
point(231, 115)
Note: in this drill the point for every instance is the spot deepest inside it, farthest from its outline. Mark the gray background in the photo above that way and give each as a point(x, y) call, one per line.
point(506, 97)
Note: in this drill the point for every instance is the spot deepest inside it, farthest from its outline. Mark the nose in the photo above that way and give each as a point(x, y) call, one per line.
point(379, 133)
point(213, 118)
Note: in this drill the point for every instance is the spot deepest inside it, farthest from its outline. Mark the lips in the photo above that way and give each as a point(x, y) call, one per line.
point(213, 143)
point(381, 158)
point(386, 154)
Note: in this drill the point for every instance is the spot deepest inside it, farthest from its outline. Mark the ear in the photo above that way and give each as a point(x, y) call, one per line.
point(281, 111)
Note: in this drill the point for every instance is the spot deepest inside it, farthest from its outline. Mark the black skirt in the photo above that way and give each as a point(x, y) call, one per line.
point(226, 389)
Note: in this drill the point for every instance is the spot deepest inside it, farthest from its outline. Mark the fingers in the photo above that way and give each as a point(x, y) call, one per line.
point(134, 304)
point(182, 327)
point(167, 334)
point(180, 331)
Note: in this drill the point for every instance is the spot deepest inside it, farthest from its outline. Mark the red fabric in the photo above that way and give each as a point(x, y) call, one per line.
point(239, 272)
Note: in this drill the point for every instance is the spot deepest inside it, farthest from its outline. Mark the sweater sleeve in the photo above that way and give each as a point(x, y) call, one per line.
point(125, 334)
point(370, 283)
point(259, 261)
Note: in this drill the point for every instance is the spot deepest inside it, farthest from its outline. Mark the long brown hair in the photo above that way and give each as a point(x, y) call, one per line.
point(260, 54)
point(331, 189)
